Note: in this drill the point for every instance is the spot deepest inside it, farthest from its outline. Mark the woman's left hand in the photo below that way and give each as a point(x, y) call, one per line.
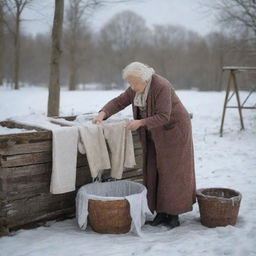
point(134, 125)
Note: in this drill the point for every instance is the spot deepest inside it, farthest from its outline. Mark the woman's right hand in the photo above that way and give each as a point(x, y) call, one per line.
point(98, 119)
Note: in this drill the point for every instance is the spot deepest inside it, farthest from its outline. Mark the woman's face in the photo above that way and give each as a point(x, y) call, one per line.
point(137, 84)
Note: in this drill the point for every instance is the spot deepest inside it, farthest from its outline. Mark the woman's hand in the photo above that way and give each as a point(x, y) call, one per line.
point(98, 119)
point(134, 125)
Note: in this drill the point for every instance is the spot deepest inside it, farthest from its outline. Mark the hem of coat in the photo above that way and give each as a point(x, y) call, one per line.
point(176, 212)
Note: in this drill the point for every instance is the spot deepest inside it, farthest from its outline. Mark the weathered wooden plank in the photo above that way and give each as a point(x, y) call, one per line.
point(31, 147)
point(132, 173)
point(34, 180)
point(38, 157)
point(36, 169)
point(20, 171)
point(41, 220)
point(4, 230)
point(25, 159)
point(139, 161)
point(25, 137)
point(34, 147)
point(30, 170)
point(33, 158)
point(27, 210)
point(137, 179)
point(12, 124)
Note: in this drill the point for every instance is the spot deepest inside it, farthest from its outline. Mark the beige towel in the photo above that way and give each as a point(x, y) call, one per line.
point(120, 143)
point(95, 147)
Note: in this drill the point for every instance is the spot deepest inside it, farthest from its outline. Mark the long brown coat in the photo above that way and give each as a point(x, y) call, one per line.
point(168, 166)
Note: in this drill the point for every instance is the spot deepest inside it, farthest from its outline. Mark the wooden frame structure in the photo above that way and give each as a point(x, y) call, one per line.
point(25, 173)
point(232, 81)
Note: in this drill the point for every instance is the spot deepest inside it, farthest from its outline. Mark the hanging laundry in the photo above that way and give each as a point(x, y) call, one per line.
point(107, 145)
point(120, 144)
point(64, 152)
point(93, 141)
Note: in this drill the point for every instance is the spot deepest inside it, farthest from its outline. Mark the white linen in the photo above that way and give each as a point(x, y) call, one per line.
point(64, 152)
point(64, 160)
point(107, 145)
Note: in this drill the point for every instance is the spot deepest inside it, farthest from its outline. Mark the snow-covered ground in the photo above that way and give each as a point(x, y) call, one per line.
point(229, 162)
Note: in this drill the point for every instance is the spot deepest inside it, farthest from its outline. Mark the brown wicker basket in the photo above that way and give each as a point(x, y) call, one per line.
point(218, 206)
point(111, 217)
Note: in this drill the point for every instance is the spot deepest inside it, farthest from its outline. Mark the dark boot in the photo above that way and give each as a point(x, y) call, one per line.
point(172, 221)
point(159, 219)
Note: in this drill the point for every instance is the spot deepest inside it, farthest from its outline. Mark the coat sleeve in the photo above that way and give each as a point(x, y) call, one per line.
point(163, 108)
point(117, 104)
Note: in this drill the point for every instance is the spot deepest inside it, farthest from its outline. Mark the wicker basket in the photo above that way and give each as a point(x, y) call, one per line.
point(111, 217)
point(218, 206)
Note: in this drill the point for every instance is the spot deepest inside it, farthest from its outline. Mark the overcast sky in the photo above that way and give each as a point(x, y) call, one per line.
point(187, 13)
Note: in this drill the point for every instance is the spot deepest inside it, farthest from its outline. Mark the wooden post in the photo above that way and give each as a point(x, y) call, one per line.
point(238, 99)
point(232, 79)
point(225, 105)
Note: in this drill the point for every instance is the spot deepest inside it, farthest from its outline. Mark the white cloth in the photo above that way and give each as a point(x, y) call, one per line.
point(62, 121)
point(134, 192)
point(64, 160)
point(64, 152)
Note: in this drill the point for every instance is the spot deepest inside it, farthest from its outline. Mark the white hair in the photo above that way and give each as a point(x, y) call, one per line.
point(138, 69)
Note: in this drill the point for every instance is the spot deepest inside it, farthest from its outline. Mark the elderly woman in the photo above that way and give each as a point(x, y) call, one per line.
point(164, 128)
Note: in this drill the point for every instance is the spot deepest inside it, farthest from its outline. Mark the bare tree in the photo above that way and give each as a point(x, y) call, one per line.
point(77, 14)
point(123, 37)
point(15, 9)
point(54, 83)
point(239, 12)
point(169, 43)
point(124, 30)
point(181, 55)
point(1, 44)
point(238, 16)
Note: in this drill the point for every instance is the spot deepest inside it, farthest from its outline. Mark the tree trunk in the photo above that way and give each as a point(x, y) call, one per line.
point(54, 83)
point(73, 77)
point(219, 71)
point(73, 64)
point(17, 50)
point(73, 59)
point(1, 45)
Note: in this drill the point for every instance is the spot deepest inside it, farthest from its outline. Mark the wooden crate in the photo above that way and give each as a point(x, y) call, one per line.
point(25, 172)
